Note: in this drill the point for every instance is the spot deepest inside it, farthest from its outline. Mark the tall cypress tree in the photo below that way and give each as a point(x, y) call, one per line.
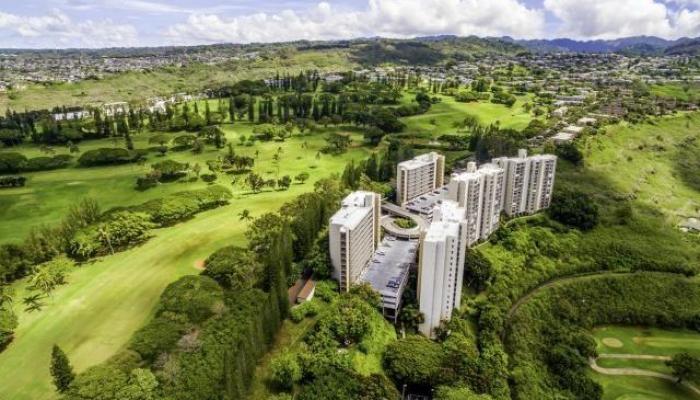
point(61, 370)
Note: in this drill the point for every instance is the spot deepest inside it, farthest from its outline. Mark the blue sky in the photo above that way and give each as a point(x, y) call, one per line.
point(107, 23)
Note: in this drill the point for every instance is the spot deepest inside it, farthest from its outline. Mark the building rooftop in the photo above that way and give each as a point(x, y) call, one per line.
point(425, 203)
point(419, 161)
point(353, 209)
point(387, 272)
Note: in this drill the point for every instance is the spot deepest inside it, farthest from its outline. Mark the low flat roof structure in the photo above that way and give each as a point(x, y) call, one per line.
point(425, 204)
point(388, 270)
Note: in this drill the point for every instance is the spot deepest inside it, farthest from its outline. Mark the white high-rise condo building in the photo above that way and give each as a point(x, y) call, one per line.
point(529, 182)
point(441, 266)
point(419, 176)
point(354, 234)
point(491, 199)
point(467, 189)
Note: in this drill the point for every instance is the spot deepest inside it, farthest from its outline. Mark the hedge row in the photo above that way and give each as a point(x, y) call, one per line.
point(109, 156)
point(15, 162)
point(12, 181)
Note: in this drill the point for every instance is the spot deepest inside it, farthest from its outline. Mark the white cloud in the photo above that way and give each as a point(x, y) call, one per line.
point(391, 18)
point(58, 30)
point(607, 19)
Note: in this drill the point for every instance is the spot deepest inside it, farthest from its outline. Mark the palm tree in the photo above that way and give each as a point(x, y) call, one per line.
point(244, 215)
point(33, 303)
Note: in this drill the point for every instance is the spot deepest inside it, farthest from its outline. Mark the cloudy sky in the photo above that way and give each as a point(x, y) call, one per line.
point(108, 23)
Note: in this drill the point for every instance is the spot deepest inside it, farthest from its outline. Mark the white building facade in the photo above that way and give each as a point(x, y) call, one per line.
point(419, 176)
point(529, 182)
point(441, 266)
point(354, 234)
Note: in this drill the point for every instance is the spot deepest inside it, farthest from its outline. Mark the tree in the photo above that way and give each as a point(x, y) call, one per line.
point(477, 270)
point(285, 371)
point(61, 370)
point(245, 215)
point(302, 177)
point(284, 182)
point(685, 366)
point(574, 208)
point(570, 152)
point(255, 181)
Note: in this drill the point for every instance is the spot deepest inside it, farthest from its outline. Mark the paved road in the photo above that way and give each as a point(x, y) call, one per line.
point(638, 372)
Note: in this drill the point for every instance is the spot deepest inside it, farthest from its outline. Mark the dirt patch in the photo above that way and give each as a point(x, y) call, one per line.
point(199, 264)
point(612, 342)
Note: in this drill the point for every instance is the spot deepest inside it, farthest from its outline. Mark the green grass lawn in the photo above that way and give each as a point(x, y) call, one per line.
point(94, 315)
point(648, 341)
point(641, 388)
point(48, 194)
point(652, 341)
point(444, 114)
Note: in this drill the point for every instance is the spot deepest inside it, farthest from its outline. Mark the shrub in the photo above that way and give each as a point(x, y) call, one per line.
point(169, 170)
point(47, 163)
point(182, 205)
point(12, 181)
point(108, 156)
point(306, 309)
point(12, 162)
point(119, 231)
point(208, 178)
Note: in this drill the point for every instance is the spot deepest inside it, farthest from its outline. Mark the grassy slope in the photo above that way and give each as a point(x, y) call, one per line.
point(641, 388)
point(642, 160)
point(137, 86)
point(94, 315)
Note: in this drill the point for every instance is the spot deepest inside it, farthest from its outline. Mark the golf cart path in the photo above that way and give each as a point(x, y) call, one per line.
point(635, 357)
point(638, 372)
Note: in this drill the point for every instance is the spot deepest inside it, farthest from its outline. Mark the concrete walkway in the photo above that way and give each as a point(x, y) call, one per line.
point(637, 372)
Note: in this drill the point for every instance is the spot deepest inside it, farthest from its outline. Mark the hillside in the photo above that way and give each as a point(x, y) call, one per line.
point(648, 45)
point(691, 48)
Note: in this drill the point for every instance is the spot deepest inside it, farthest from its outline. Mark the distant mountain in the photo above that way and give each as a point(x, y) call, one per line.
point(689, 47)
point(638, 45)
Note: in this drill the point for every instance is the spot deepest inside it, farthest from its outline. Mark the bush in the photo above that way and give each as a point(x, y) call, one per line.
point(12, 162)
point(169, 170)
point(306, 309)
point(208, 178)
point(326, 290)
point(182, 205)
point(47, 163)
point(12, 181)
point(119, 231)
point(108, 156)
